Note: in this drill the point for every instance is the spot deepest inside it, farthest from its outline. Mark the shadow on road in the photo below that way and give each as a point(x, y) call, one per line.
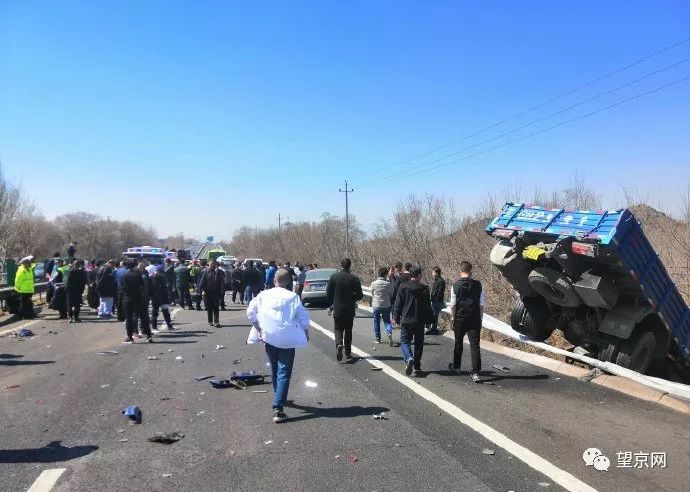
point(336, 412)
point(159, 341)
point(182, 334)
point(25, 362)
point(51, 453)
point(10, 356)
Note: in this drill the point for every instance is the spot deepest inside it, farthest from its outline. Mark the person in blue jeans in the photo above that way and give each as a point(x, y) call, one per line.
point(381, 292)
point(282, 323)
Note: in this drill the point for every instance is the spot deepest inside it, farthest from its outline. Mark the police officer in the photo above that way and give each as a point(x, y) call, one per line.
point(467, 310)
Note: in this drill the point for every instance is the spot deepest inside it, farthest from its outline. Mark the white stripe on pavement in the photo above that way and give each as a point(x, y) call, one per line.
point(561, 477)
point(46, 480)
point(173, 313)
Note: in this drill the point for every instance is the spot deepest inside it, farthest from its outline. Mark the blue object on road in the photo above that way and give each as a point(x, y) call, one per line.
point(133, 413)
point(25, 332)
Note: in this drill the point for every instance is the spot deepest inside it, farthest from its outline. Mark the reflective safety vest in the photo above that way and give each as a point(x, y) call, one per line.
point(24, 279)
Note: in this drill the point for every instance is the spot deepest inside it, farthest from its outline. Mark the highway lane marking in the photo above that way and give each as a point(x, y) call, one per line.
point(561, 477)
point(46, 480)
point(10, 330)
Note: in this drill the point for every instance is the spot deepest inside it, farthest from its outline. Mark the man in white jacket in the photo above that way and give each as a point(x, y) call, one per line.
point(283, 324)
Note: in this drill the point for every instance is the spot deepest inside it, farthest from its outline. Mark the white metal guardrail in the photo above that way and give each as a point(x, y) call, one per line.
point(493, 324)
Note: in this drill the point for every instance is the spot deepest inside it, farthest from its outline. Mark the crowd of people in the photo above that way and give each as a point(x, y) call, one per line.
point(137, 292)
point(399, 298)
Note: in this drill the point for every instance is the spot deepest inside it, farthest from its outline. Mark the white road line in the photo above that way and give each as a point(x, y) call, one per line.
point(46, 480)
point(174, 312)
point(10, 330)
point(561, 477)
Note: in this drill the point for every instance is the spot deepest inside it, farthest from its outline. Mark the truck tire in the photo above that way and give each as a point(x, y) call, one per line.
point(608, 350)
point(637, 352)
point(530, 317)
point(554, 286)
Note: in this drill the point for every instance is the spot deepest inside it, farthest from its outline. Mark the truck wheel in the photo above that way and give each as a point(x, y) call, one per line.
point(554, 286)
point(530, 317)
point(637, 352)
point(608, 350)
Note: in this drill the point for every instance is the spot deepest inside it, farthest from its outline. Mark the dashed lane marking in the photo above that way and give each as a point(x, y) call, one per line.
point(561, 477)
point(47, 480)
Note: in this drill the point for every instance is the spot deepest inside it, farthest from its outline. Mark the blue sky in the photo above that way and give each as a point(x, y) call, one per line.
point(204, 116)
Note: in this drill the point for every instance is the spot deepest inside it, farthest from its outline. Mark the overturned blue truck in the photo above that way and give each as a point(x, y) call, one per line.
point(594, 276)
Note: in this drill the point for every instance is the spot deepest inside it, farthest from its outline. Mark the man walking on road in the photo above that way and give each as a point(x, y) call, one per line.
point(132, 299)
point(438, 292)
point(74, 287)
point(119, 276)
point(283, 324)
point(106, 289)
point(270, 274)
point(182, 286)
point(412, 312)
point(251, 279)
point(160, 298)
point(403, 276)
point(24, 285)
point(344, 290)
point(236, 282)
point(381, 292)
point(212, 285)
point(169, 271)
point(467, 311)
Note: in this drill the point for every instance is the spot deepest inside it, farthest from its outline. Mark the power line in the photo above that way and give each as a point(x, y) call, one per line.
point(539, 132)
point(545, 103)
point(538, 120)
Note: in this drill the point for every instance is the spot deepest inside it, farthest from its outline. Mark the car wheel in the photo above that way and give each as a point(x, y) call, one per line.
point(554, 286)
point(637, 352)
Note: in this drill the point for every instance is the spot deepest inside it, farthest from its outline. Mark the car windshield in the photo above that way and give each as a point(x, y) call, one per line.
point(320, 274)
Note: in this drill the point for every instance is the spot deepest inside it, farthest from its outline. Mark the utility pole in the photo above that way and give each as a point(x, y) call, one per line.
point(278, 222)
point(347, 218)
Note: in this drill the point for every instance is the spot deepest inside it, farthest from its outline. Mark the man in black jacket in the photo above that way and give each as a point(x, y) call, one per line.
point(144, 321)
point(251, 279)
point(159, 298)
point(412, 311)
point(169, 271)
point(74, 287)
point(344, 290)
point(236, 283)
point(438, 293)
point(132, 299)
point(212, 285)
point(106, 288)
point(182, 285)
point(402, 277)
point(467, 311)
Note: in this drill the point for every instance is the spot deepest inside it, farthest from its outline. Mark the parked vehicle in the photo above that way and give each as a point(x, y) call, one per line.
point(315, 285)
point(156, 256)
point(594, 276)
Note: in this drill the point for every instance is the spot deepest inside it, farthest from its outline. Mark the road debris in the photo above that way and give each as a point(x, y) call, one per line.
point(153, 357)
point(167, 475)
point(377, 368)
point(501, 368)
point(11, 386)
point(179, 357)
point(228, 383)
point(164, 438)
point(133, 413)
point(259, 391)
point(337, 456)
point(124, 439)
point(236, 361)
point(352, 458)
point(220, 347)
point(201, 378)
point(107, 352)
point(268, 442)
point(398, 445)
point(170, 350)
point(591, 374)
point(104, 385)
point(488, 451)
point(165, 398)
point(380, 416)
point(25, 332)
point(310, 384)
point(543, 484)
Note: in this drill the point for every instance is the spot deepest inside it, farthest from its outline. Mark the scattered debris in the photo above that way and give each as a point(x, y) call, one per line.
point(268, 364)
point(337, 456)
point(25, 332)
point(104, 385)
point(310, 384)
point(201, 378)
point(165, 398)
point(543, 484)
point(501, 368)
point(377, 368)
point(236, 361)
point(352, 458)
point(167, 475)
point(179, 357)
point(202, 356)
point(12, 386)
point(153, 357)
point(488, 451)
point(120, 430)
point(591, 374)
point(220, 347)
point(398, 445)
point(133, 413)
point(557, 379)
point(285, 442)
point(200, 413)
point(124, 439)
point(259, 391)
point(380, 416)
point(170, 350)
point(268, 442)
point(181, 408)
point(164, 438)
point(202, 393)
point(227, 383)
point(107, 352)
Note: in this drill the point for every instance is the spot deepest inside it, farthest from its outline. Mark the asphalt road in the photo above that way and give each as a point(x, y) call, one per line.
point(66, 413)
